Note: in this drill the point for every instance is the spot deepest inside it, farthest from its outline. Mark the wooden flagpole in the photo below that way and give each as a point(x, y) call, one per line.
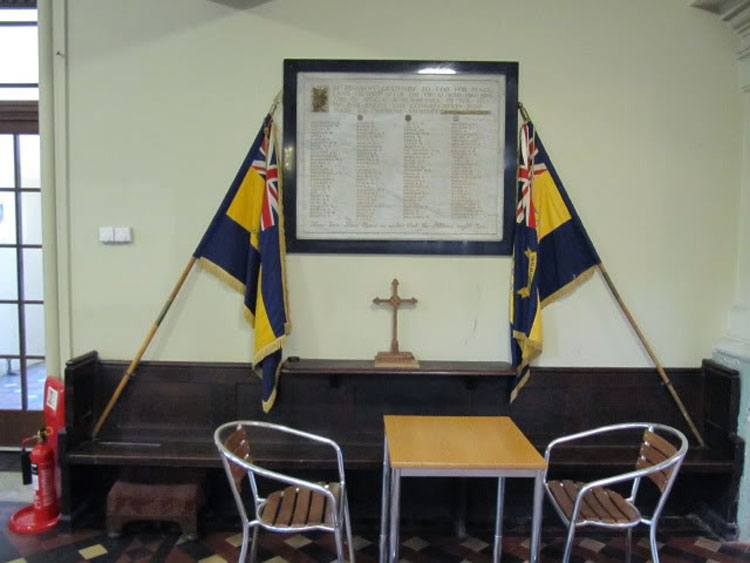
point(665, 379)
point(152, 331)
point(144, 345)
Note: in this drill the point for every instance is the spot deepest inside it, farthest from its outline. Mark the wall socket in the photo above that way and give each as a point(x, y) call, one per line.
point(123, 234)
point(106, 234)
point(115, 235)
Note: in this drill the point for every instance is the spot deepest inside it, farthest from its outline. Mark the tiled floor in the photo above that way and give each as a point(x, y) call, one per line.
point(149, 542)
point(144, 542)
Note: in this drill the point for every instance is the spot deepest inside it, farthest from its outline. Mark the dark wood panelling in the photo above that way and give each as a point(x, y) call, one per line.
point(295, 366)
point(168, 412)
point(575, 399)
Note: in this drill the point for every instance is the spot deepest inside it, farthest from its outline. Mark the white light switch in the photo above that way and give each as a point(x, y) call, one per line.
point(106, 234)
point(123, 234)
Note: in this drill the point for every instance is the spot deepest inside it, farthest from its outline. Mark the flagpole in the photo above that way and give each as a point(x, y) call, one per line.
point(152, 331)
point(665, 379)
point(523, 111)
point(275, 103)
point(142, 350)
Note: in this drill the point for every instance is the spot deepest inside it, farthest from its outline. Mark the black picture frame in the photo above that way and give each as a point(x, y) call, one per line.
point(292, 67)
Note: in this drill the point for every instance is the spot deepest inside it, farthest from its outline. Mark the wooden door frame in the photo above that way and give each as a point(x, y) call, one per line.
point(18, 117)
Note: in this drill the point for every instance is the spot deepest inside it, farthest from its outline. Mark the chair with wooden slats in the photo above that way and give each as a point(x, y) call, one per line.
point(298, 506)
point(594, 504)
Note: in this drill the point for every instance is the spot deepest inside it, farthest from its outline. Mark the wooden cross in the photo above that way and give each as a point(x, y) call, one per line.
point(395, 358)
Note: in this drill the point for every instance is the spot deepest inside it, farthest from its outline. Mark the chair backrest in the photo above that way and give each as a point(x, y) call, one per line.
point(233, 440)
point(238, 443)
point(655, 450)
point(659, 459)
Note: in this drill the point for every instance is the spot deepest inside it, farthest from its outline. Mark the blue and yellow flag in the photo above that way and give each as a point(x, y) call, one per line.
point(244, 246)
point(552, 252)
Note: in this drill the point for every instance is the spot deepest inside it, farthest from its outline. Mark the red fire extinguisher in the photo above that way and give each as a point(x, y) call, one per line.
point(40, 472)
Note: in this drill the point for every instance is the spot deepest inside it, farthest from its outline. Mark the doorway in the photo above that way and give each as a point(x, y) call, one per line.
point(22, 346)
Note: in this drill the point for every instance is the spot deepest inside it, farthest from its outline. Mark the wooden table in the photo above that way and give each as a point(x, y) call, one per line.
point(456, 446)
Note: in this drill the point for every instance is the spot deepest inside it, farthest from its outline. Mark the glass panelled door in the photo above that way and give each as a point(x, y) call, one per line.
point(22, 369)
point(22, 346)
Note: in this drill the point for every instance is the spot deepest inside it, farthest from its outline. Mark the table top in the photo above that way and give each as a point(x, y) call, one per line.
point(459, 442)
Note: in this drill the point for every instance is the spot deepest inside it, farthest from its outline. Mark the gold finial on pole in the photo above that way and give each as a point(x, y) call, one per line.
point(523, 111)
point(276, 102)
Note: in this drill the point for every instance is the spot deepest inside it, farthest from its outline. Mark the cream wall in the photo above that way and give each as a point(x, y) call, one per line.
point(636, 100)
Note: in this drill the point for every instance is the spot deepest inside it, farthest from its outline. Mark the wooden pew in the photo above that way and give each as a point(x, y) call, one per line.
point(167, 414)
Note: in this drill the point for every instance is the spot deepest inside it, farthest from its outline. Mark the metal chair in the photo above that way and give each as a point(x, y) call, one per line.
point(593, 504)
point(299, 506)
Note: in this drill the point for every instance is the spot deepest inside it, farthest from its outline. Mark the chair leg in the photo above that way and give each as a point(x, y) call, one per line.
point(254, 547)
point(569, 543)
point(629, 545)
point(348, 523)
point(243, 549)
point(339, 544)
point(654, 547)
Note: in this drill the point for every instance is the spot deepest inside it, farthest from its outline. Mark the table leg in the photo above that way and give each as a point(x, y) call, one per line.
point(384, 504)
point(395, 504)
point(498, 547)
point(536, 520)
point(460, 523)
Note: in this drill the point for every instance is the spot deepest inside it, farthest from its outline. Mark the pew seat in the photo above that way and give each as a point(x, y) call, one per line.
point(167, 415)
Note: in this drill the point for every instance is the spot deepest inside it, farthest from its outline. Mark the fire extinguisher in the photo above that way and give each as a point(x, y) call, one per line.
point(39, 470)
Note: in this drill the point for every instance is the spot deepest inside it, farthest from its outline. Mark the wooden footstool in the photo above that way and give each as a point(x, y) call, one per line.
point(155, 495)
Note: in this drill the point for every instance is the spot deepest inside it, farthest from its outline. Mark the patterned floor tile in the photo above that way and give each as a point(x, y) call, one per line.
point(475, 544)
point(359, 542)
point(150, 544)
point(138, 553)
point(645, 542)
point(708, 544)
point(297, 541)
point(415, 543)
point(592, 545)
point(235, 540)
point(737, 551)
point(92, 551)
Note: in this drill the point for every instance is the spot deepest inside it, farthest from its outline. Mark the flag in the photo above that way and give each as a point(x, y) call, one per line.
point(551, 254)
point(244, 246)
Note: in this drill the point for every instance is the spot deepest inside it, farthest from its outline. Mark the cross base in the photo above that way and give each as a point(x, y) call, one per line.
point(396, 360)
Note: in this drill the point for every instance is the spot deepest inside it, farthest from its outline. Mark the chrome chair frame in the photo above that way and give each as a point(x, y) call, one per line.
point(674, 461)
point(340, 514)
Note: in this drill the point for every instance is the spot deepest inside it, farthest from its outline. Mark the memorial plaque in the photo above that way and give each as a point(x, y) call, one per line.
point(403, 157)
